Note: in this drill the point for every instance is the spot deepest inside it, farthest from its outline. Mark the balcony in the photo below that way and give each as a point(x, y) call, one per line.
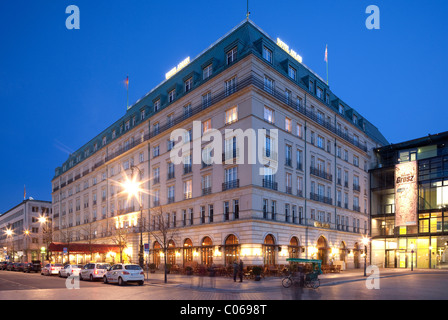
point(170, 175)
point(321, 174)
point(170, 199)
point(270, 184)
point(206, 191)
point(288, 190)
point(320, 198)
point(187, 168)
point(231, 184)
point(356, 187)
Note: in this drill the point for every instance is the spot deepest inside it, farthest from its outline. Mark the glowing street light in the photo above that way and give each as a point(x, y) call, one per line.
point(365, 241)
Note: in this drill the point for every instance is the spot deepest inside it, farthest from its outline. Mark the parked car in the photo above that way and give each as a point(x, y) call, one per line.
point(124, 273)
point(93, 271)
point(32, 266)
point(3, 265)
point(19, 266)
point(51, 268)
point(10, 266)
point(70, 270)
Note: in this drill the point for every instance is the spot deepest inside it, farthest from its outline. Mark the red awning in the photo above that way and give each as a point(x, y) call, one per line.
point(83, 248)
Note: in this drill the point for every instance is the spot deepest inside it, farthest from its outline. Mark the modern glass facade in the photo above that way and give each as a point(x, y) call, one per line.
point(423, 242)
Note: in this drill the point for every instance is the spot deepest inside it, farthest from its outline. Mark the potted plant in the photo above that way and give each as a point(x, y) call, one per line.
point(152, 268)
point(188, 271)
point(257, 272)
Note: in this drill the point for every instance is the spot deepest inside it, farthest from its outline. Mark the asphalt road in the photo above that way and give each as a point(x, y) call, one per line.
point(421, 286)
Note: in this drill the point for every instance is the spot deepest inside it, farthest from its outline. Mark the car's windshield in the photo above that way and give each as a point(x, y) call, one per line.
point(58, 265)
point(132, 267)
point(103, 266)
point(77, 266)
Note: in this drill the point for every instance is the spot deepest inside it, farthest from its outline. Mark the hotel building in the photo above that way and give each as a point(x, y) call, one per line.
point(24, 230)
point(306, 196)
point(409, 201)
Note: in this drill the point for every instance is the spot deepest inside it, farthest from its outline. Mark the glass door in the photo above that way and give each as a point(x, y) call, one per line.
point(390, 259)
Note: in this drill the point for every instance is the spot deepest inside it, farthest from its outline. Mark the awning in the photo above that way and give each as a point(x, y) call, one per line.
point(83, 248)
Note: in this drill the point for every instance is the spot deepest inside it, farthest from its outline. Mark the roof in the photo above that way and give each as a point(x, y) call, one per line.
point(249, 39)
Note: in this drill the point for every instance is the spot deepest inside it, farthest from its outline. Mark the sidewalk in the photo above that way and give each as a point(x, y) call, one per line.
point(226, 284)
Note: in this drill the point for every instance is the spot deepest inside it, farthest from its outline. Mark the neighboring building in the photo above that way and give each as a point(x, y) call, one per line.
point(409, 196)
point(306, 196)
point(24, 230)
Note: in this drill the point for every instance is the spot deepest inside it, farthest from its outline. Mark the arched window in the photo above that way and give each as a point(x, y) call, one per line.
point(231, 249)
point(171, 253)
point(322, 248)
point(269, 250)
point(188, 250)
point(294, 248)
point(157, 250)
point(207, 251)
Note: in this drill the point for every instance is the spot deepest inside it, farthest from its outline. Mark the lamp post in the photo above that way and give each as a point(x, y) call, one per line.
point(9, 234)
point(365, 242)
point(412, 256)
point(134, 189)
point(430, 257)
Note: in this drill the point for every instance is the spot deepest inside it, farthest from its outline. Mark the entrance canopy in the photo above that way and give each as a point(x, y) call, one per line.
point(312, 261)
point(83, 248)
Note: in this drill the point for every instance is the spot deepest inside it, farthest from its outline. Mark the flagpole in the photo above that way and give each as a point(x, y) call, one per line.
point(127, 89)
point(326, 60)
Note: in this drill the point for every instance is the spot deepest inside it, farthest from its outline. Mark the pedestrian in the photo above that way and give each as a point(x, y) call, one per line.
point(235, 270)
point(241, 267)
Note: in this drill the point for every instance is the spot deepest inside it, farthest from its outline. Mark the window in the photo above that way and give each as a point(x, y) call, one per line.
point(299, 161)
point(320, 142)
point(104, 143)
point(206, 125)
point(188, 189)
point(157, 105)
point(355, 119)
point(231, 55)
point(355, 161)
point(187, 111)
point(232, 115)
point(267, 54)
point(265, 208)
point(170, 194)
point(341, 109)
point(300, 186)
point(156, 128)
point(231, 174)
point(188, 84)
point(268, 114)
point(206, 99)
point(311, 86)
point(269, 85)
point(142, 115)
point(288, 124)
point(236, 209)
point(171, 95)
point(210, 212)
point(155, 151)
point(299, 130)
point(288, 155)
point(127, 125)
point(230, 86)
point(288, 96)
point(319, 93)
point(292, 73)
point(207, 71)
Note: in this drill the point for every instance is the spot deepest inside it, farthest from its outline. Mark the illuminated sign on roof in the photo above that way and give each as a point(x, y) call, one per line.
point(291, 52)
point(179, 67)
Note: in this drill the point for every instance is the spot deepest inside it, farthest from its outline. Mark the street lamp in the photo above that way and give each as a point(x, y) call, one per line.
point(9, 234)
point(133, 189)
point(412, 256)
point(365, 242)
point(26, 233)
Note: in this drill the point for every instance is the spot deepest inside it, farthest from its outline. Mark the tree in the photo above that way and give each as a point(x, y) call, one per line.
point(66, 237)
point(162, 232)
point(120, 238)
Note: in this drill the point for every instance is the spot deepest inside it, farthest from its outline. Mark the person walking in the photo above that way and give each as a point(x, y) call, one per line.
point(235, 270)
point(241, 270)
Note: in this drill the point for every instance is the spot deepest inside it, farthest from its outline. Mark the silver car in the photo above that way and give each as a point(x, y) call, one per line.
point(93, 271)
point(70, 270)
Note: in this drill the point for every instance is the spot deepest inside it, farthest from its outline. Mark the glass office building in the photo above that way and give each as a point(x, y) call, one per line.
point(409, 204)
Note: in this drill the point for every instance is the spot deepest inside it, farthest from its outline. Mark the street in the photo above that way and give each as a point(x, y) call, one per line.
point(394, 285)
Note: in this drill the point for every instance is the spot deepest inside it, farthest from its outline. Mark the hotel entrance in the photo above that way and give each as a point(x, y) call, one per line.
point(398, 259)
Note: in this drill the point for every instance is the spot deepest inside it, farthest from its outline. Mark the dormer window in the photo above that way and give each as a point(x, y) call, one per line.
point(171, 95)
point(231, 55)
point(267, 54)
point(341, 109)
point(188, 84)
point(157, 105)
point(355, 119)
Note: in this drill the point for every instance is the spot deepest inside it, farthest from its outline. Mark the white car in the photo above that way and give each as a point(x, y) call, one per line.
point(123, 273)
point(70, 270)
point(93, 271)
point(50, 269)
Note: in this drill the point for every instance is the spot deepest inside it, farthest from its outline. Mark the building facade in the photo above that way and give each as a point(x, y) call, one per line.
point(293, 182)
point(409, 192)
point(25, 230)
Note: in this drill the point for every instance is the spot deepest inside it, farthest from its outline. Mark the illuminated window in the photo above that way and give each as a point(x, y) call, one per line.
point(206, 125)
point(268, 114)
point(288, 125)
point(231, 115)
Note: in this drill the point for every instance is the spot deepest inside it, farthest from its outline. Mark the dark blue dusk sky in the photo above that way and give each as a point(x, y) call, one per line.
point(59, 88)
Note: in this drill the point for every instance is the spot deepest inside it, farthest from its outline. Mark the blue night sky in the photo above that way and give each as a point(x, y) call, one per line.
point(59, 88)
